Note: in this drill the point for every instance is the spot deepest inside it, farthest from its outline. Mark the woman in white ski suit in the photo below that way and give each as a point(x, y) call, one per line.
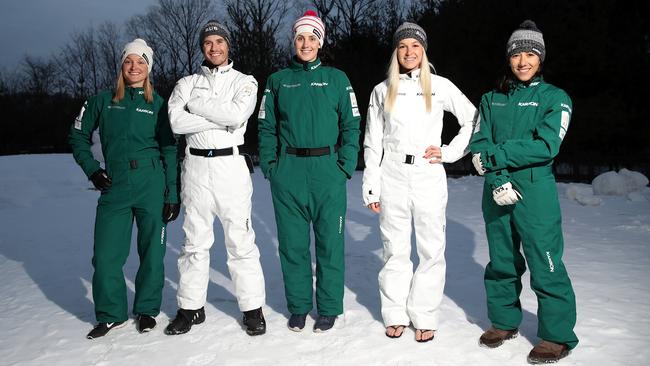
point(405, 181)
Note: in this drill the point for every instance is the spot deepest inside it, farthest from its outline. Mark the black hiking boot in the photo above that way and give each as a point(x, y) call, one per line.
point(324, 323)
point(144, 323)
point(184, 321)
point(254, 322)
point(101, 329)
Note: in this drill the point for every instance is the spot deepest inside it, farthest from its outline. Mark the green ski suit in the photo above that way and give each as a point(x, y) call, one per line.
point(141, 159)
point(310, 106)
point(518, 135)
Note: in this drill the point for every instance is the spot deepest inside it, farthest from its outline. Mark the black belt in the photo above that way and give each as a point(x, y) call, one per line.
point(309, 151)
point(409, 159)
point(209, 153)
point(133, 164)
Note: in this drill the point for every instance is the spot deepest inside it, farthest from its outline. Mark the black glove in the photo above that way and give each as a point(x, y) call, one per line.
point(170, 212)
point(101, 180)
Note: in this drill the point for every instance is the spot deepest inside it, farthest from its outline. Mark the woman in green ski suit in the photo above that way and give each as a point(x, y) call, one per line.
point(308, 143)
point(139, 181)
point(518, 135)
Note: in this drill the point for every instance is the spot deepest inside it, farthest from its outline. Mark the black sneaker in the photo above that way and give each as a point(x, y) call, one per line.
point(144, 323)
point(324, 323)
point(101, 329)
point(184, 321)
point(254, 322)
point(297, 322)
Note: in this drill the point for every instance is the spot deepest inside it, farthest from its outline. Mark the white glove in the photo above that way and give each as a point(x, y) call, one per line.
point(478, 165)
point(505, 194)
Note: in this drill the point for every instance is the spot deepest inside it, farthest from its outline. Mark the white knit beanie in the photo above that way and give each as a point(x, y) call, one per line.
point(310, 23)
point(139, 47)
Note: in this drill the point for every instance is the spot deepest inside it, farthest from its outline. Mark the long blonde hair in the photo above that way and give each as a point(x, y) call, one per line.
point(118, 95)
point(393, 81)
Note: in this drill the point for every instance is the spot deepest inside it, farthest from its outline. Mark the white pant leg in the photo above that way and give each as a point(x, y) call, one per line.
point(199, 208)
point(395, 226)
point(233, 194)
point(429, 198)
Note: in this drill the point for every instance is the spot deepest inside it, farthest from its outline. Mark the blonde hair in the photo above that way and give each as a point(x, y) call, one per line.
point(118, 95)
point(393, 81)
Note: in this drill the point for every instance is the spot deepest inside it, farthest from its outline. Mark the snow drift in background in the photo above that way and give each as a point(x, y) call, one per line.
point(619, 184)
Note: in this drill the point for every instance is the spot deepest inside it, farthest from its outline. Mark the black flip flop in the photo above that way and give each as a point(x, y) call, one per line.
point(396, 328)
point(424, 331)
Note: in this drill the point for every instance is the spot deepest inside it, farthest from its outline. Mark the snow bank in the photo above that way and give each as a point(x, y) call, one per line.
point(582, 194)
point(618, 184)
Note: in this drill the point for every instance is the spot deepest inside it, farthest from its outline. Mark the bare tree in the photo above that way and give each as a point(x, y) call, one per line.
point(40, 75)
point(89, 62)
point(253, 25)
point(9, 82)
point(420, 7)
point(109, 43)
point(71, 67)
point(344, 18)
point(384, 21)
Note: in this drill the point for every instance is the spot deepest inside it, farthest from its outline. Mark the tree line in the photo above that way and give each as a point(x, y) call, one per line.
point(598, 51)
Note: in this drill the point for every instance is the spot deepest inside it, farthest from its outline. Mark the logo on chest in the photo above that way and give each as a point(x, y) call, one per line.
point(142, 110)
point(528, 104)
point(289, 86)
point(319, 84)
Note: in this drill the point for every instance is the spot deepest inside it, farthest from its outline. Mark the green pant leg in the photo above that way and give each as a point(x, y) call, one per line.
point(292, 217)
point(503, 273)
point(329, 202)
point(538, 219)
point(148, 206)
point(113, 226)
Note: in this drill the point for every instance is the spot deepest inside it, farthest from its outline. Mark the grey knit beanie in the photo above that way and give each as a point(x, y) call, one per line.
point(212, 27)
point(526, 38)
point(410, 30)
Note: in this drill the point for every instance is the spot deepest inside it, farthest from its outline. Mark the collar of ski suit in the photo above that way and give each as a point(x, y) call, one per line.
point(307, 66)
point(415, 74)
point(207, 70)
point(411, 75)
point(533, 83)
point(133, 92)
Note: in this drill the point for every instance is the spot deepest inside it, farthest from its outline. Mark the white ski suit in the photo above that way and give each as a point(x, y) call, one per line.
point(409, 188)
point(211, 108)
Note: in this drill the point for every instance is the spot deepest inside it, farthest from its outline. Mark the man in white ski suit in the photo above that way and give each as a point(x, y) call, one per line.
point(211, 108)
point(412, 188)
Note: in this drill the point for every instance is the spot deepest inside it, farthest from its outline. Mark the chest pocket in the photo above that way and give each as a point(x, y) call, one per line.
point(201, 91)
point(143, 125)
point(114, 122)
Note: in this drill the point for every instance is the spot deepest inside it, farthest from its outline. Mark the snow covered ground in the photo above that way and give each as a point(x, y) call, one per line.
point(46, 221)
